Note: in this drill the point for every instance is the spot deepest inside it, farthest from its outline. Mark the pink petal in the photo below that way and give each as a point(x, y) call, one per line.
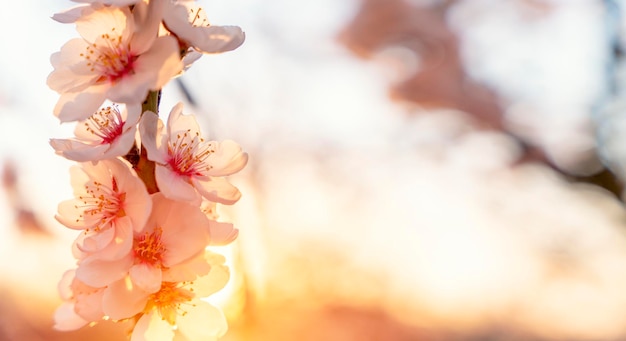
point(99, 273)
point(178, 123)
point(227, 159)
point(222, 233)
point(76, 106)
point(120, 146)
point(70, 216)
point(175, 186)
point(185, 230)
point(71, 71)
point(78, 151)
point(99, 172)
point(93, 24)
point(188, 270)
point(211, 39)
point(137, 203)
point(121, 243)
point(163, 57)
point(78, 179)
point(123, 300)
point(147, 19)
point(70, 15)
point(132, 88)
point(217, 39)
point(89, 306)
point(96, 241)
point(64, 285)
point(218, 190)
point(146, 277)
point(65, 319)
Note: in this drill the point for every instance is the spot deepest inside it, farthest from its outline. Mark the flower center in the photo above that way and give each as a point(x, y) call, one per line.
point(188, 154)
point(106, 124)
point(149, 248)
point(101, 203)
point(168, 300)
point(109, 57)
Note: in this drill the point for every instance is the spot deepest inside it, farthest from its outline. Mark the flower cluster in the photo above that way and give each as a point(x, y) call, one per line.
point(141, 186)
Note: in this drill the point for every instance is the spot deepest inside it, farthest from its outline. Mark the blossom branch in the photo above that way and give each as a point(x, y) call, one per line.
point(145, 209)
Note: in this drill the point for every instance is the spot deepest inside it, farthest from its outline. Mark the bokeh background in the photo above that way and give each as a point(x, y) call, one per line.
point(419, 169)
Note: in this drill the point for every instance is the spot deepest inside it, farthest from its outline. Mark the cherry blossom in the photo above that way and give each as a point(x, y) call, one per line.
point(110, 201)
point(174, 235)
point(188, 167)
point(176, 308)
point(189, 23)
point(106, 134)
point(119, 57)
point(141, 257)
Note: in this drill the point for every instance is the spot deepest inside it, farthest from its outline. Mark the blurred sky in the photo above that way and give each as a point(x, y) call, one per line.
point(341, 178)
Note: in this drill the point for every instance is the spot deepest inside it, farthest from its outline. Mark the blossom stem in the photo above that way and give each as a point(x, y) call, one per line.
point(144, 167)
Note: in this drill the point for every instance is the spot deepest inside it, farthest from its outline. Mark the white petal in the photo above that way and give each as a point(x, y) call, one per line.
point(179, 123)
point(151, 327)
point(227, 159)
point(76, 106)
point(216, 279)
point(222, 233)
point(217, 189)
point(132, 88)
point(78, 151)
point(92, 25)
point(70, 216)
point(188, 270)
point(70, 15)
point(211, 39)
point(217, 39)
point(65, 319)
point(71, 70)
point(202, 322)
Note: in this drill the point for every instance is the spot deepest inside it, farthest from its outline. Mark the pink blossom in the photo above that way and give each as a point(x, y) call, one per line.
point(176, 308)
point(188, 167)
point(174, 235)
point(119, 57)
point(110, 201)
point(189, 23)
point(106, 134)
